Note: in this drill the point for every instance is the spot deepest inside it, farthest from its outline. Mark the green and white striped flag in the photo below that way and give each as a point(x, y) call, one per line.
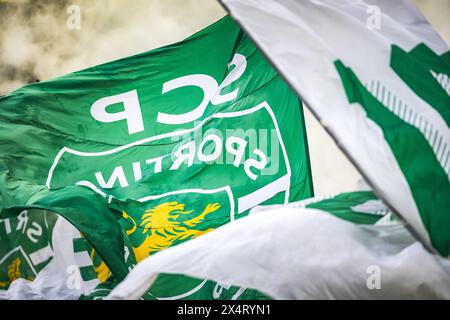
point(376, 75)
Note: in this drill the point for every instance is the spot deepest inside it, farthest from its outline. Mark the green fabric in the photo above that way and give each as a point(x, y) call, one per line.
point(175, 142)
point(428, 181)
point(415, 67)
point(89, 213)
point(25, 245)
point(344, 206)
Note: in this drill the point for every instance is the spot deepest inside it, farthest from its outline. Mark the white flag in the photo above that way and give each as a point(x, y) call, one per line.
point(303, 251)
point(377, 76)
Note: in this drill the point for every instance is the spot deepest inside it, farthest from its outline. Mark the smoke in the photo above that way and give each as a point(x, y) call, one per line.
point(40, 39)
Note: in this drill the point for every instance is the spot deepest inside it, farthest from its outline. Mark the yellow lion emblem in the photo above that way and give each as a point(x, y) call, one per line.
point(163, 227)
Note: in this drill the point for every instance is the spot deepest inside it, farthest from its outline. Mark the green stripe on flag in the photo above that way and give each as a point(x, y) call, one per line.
point(345, 206)
point(428, 182)
point(421, 70)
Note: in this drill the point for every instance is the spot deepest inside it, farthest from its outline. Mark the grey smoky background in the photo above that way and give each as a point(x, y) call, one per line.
point(38, 41)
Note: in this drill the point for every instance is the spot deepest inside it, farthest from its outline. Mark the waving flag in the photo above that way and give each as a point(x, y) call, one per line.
point(376, 74)
point(25, 246)
point(303, 251)
point(45, 257)
point(156, 149)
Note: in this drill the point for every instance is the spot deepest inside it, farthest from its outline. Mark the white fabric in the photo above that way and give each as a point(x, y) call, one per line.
point(300, 254)
point(49, 284)
point(303, 38)
point(60, 279)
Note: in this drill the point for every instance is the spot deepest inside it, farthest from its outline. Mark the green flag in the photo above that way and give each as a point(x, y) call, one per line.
point(26, 246)
point(172, 144)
